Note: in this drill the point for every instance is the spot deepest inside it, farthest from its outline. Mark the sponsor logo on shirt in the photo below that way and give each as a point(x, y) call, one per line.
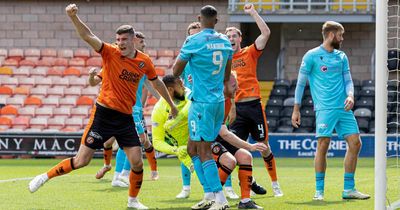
point(129, 76)
point(238, 63)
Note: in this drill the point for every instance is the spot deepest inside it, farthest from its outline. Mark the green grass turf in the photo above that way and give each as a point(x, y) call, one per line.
point(80, 189)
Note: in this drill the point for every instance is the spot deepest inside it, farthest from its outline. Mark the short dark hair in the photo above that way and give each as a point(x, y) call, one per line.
point(140, 35)
point(208, 11)
point(169, 80)
point(194, 25)
point(125, 29)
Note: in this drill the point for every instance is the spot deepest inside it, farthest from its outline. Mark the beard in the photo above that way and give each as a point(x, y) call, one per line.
point(179, 97)
point(335, 43)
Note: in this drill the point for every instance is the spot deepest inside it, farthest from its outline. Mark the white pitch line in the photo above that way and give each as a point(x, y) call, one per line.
point(16, 179)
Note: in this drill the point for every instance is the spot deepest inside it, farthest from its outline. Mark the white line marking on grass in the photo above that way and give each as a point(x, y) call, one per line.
point(16, 179)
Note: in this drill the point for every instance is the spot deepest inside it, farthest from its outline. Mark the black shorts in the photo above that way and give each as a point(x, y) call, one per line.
point(105, 123)
point(250, 118)
point(220, 146)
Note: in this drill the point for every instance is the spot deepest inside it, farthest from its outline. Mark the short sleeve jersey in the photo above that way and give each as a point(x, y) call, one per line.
point(121, 76)
point(187, 77)
point(207, 53)
point(325, 70)
point(244, 66)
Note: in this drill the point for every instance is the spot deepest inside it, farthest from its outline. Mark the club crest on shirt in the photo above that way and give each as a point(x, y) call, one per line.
point(324, 68)
point(141, 65)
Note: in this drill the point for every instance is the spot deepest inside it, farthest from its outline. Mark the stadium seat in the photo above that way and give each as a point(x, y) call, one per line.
point(80, 111)
point(62, 111)
point(39, 91)
point(285, 121)
point(77, 91)
point(307, 112)
point(80, 82)
point(16, 53)
point(56, 123)
point(33, 101)
point(5, 90)
point(288, 102)
point(44, 112)
point(43, 82)
point(275, 103)
point(11, 62)
point(59, 81)
point(272, 112)
point(46, 61)
point(363, 124)
point(67, 101)
point(38, 122)
point(61, 62)
point(9, 110)
point(164, 62)
point(74, 122)
point(82, 53)
point(22, 71)
point(3, 52)
point(279, 92)
point(307, 102)
point(282, 83)
point(32, 52)
point(287, 112)
point(76, 62)
point(365, 103)
point(291, 92)
point(94, 61)
point(393, 60)
point(50, 101)
point(302, 130)
point(84, 100)
point(57, 91)
point(48, 52)
point(90, 91)
point(21, 91)
point(26, 111)
point(69, 129)
point(18, 101)
point(65, 53)
point(54, 72)
point(28, 62)
point(363, 113)
point(368, 85)
point(307, 122)
point(39, 71)
point(21, 122)
point(71, 71)
point(5, 122)
point(272, 123)
point(284, 129)
point(371, 128)
point(26, 81)
point(93, 53)
point(6, 70)
point(367, 93)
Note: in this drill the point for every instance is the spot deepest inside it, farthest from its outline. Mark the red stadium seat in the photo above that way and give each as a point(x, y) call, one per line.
point(54, 72)
point(61, 62)
point(9, 110)
point(27, 62)
point(5, 90)
point(94, 61)
point(5, 122)
point(16, 53)
point(93, 53)
point(70, 129)
point(82, 53)
point(11, 62)
point(46, 61)
point(33, 100)
point(77, 62)
point(71, 71)
point(84, 100)
point(48, 52)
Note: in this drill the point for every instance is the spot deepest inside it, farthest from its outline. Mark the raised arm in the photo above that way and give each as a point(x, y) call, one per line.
point(262, 39)
point(84, 32)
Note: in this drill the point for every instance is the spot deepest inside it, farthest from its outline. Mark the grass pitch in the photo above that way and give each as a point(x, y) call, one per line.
point(80, 189)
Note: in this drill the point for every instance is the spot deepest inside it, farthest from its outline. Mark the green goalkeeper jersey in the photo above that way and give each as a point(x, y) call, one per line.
point(168, 134)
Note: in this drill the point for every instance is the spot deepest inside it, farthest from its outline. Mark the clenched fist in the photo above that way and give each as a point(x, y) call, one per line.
point(71, 10)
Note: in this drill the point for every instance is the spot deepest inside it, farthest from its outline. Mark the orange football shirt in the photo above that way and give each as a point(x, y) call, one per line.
point(120, 77)
point(244, 66)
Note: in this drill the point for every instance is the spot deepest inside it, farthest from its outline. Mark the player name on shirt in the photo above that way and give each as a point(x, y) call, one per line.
point(215, 46)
